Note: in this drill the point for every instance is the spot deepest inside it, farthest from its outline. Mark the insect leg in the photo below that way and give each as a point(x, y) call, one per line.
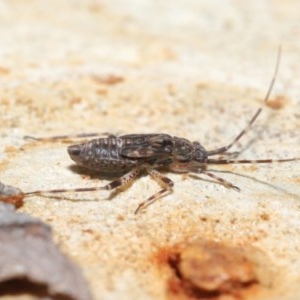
point(221, 180)
point(120, 182)
point(217, 178)
point(69, 137)
point(168, 183)
point(123, 180)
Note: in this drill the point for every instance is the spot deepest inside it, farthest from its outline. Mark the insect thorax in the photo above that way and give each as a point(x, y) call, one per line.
point(186, 151)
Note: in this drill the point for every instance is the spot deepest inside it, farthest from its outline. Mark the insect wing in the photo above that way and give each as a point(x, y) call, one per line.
point(145, 146)
point(140, 136)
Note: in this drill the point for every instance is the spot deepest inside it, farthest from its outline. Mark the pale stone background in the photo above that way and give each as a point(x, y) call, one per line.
point(196, 69)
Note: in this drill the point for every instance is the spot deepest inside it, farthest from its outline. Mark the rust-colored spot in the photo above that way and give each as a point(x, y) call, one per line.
point(296, 179)
point(11, 194)
point(10, 149)
point(233, 221)
point(102, 92)
point(210, 270)
point(278, 103)
point(265, 217)
point(121, 218)
point(202, 85)
point(107, 79)
point(88, 230)
point(4, 71)
point(165, 256)
point(4, 163)
point(251, 168)
point(16, 200)
point(75, 100)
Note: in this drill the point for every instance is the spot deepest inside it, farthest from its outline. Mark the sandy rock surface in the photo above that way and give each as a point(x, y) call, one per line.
point(195, 69)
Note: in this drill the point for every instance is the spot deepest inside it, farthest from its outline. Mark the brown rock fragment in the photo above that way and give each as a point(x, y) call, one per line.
point(30, 261)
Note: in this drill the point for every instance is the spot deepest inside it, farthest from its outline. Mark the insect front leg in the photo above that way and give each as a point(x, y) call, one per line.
point(167, 182)
point(222, 181)
point(217, 178)
point(186, 168)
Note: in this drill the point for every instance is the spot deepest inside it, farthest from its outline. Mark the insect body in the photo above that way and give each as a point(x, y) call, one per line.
point(120, 154)
point(129, 155)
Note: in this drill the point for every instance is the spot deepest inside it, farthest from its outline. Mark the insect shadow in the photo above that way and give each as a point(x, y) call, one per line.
point(96, 175)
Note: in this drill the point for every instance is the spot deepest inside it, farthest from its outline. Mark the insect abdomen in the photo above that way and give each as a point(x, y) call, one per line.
point(102, 155)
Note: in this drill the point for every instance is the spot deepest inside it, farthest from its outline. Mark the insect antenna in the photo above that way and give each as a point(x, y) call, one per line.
point(255, 116)
point(239, 161)
point(249, 161)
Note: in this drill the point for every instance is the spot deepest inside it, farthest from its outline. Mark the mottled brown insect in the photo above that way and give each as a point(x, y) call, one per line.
point(131, 154)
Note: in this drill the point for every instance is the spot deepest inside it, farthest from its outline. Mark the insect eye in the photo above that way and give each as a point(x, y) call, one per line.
point(200, 155)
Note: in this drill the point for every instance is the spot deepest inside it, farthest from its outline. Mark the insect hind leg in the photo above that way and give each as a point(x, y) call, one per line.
point(70, 136)
point(123, 180)
point(167, 182)
point(117, 183)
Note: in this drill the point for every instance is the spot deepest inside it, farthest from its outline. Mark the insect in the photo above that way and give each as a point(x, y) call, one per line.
point(131, 154)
